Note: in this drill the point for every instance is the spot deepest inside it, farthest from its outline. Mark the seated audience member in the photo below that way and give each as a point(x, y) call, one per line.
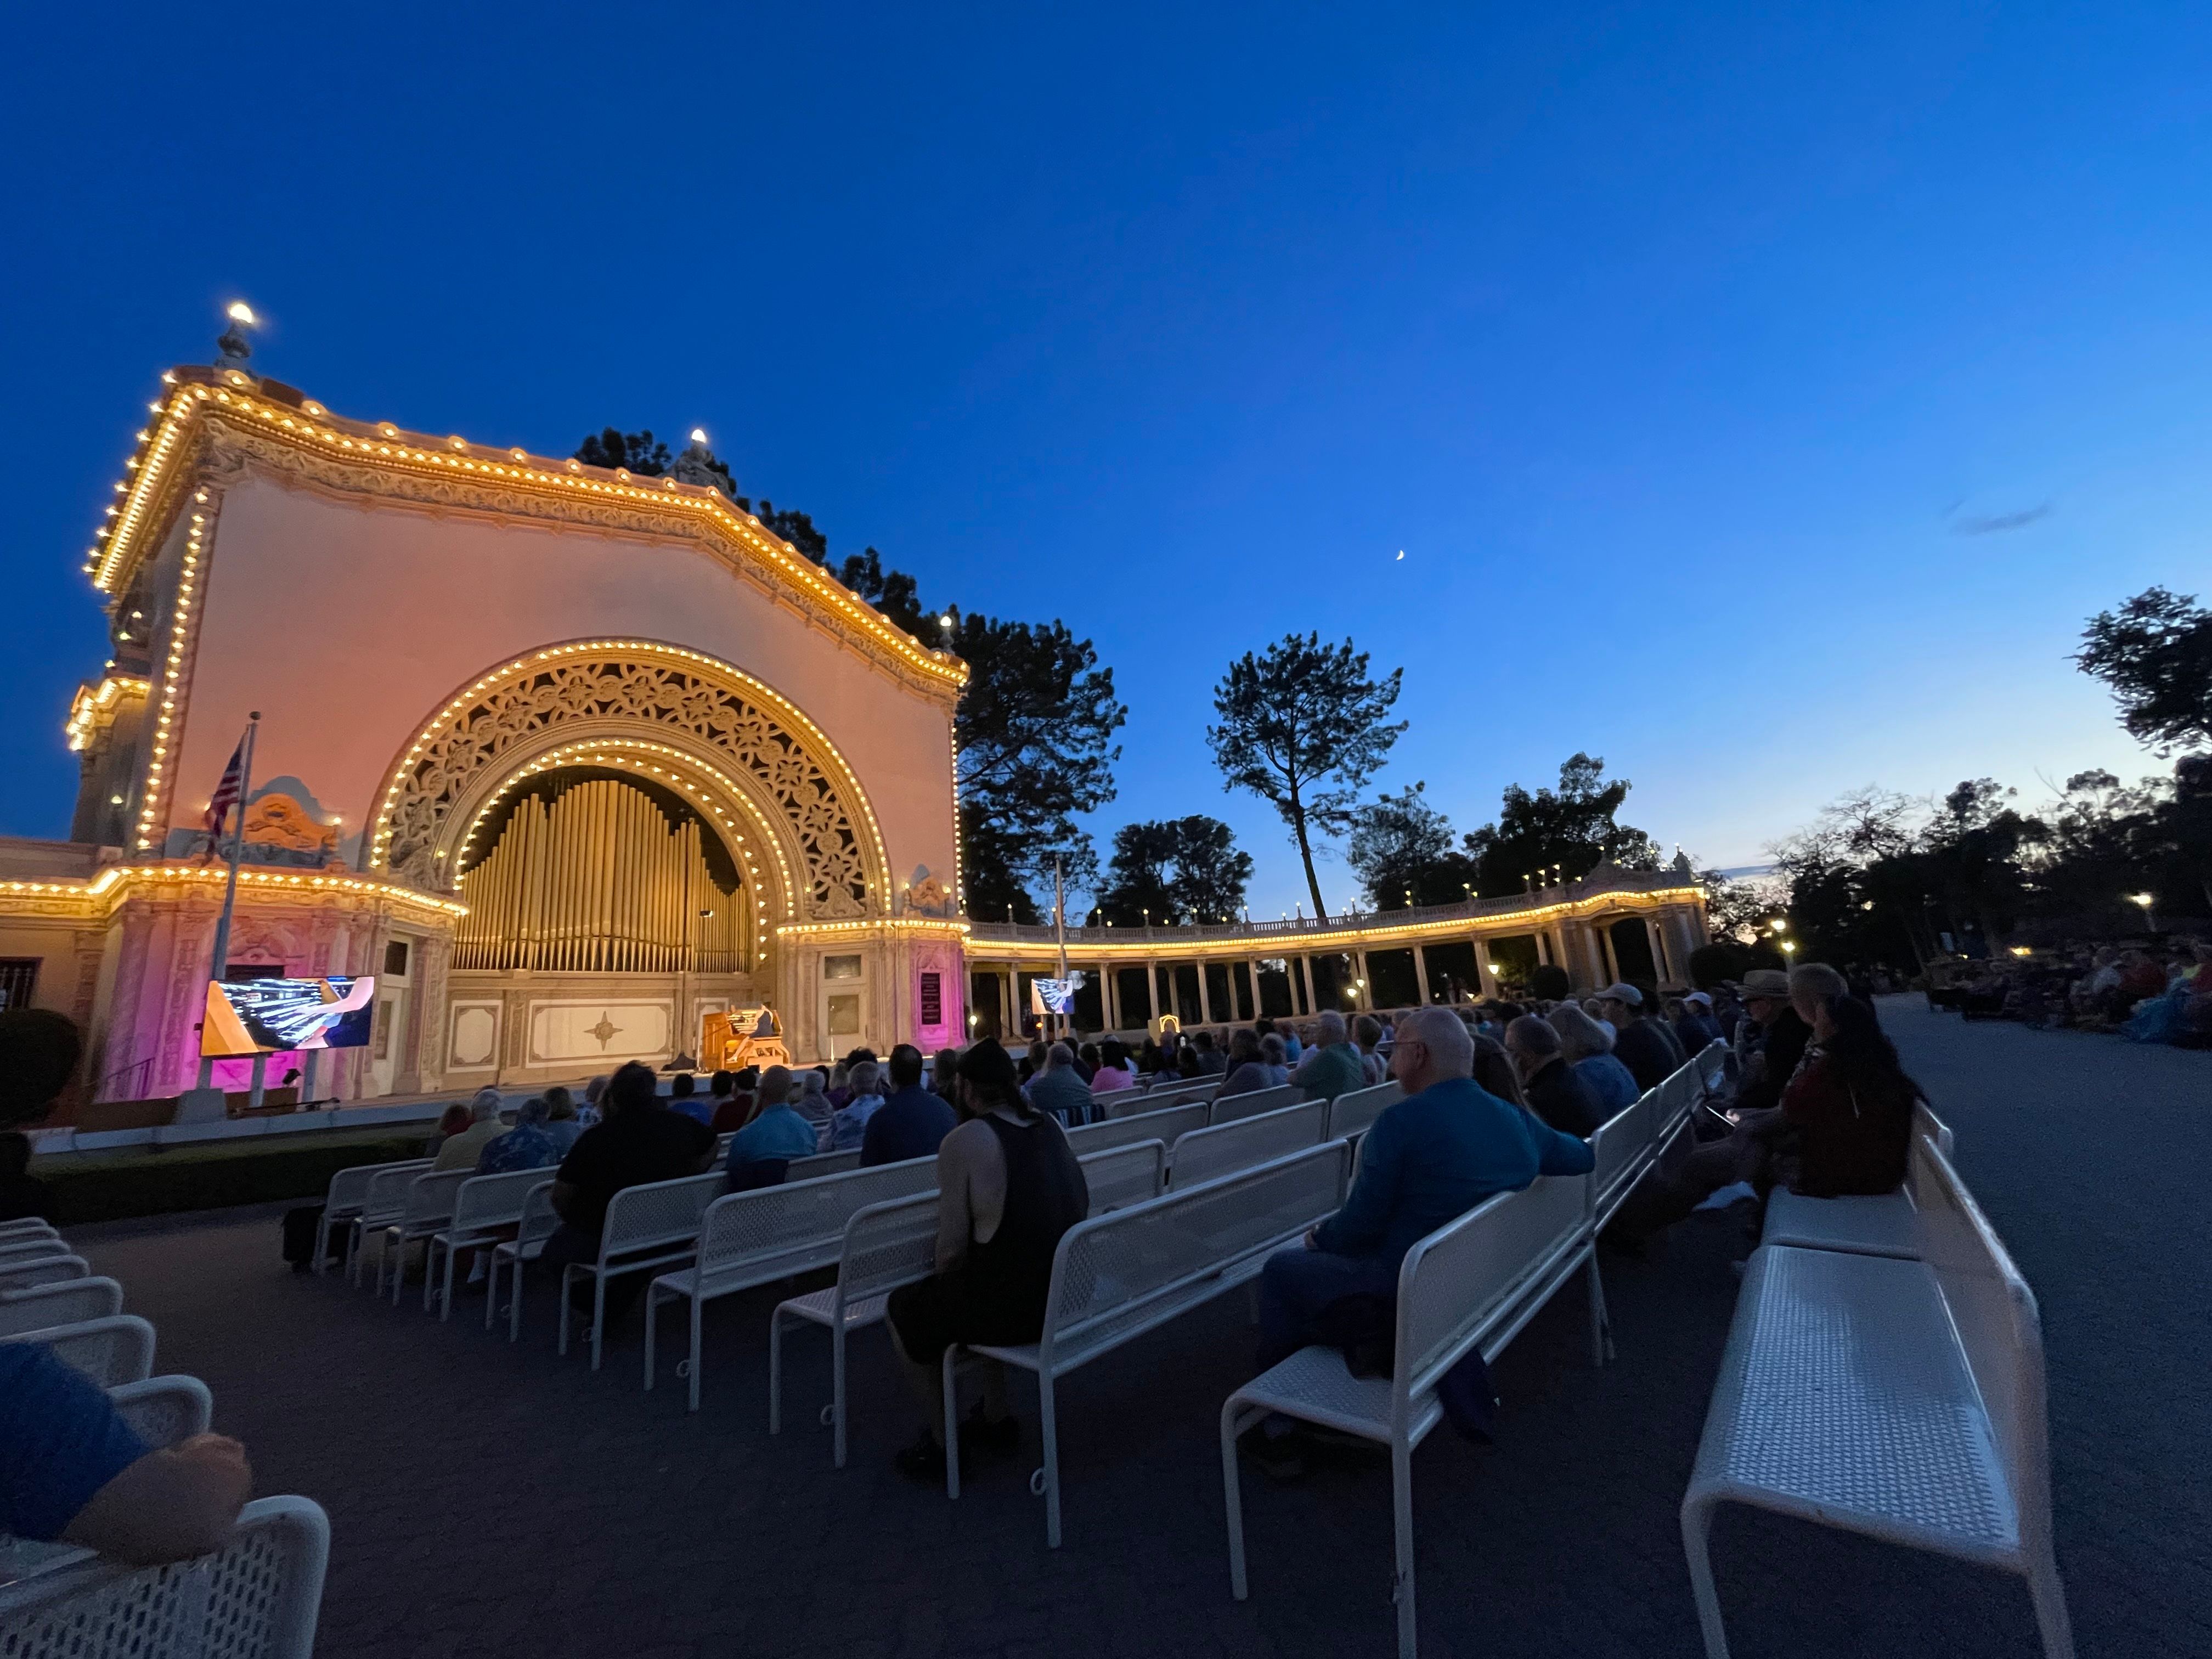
point(1843, 1126)
point(1771, 1039)
point(587, 1112)
point(1246, 1070)
point(462, 1151)
point(1148, 1057)
point(1642, 1043)
point(1274, 1055)
point(1553, 1090)
point(1008, 1188)
point(1586, 1045)
point(22, 1194)
point(850, 1125)
point(1493, 1071)
point(683, 1097)
point(945, 1074)
point(637, 1140)
point(912, 1122)
point(1113, 1074)
point(1059, 1091)
point(775, 1135)
point(1429, 1159)
point(813, 1101)
point(73, 1471)
point(525, 1147)
point(451, 1121)
point(839, 1088)
point(726, 1109)
point(1366, 1035)
point(1294, 1047)
point(1088, 1059)
point(1210, 1060)
point(1697, 1027)
point(561, 1124)
point(1186, 1066)
point(1033, 1058)
point(1332, 1066)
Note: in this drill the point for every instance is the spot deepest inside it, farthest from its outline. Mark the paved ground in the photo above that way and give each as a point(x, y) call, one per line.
point(486, 1499)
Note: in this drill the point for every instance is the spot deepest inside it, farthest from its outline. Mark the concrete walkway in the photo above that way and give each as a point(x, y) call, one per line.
point(488, 1500)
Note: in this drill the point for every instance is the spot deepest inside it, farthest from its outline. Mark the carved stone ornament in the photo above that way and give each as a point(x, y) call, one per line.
point(521, 713)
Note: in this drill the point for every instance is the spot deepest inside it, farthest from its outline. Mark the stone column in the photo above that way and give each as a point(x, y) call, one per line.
point(1152, 989)
point(1205, 1000)
point(1305, 972)
point(1106, 997)
point(1366, 981)
point(1421, 973)
point(1663, 961)
point(1483, 975)
point(1252, 978)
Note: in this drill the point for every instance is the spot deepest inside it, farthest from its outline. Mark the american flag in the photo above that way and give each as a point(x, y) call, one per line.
point(225, 793)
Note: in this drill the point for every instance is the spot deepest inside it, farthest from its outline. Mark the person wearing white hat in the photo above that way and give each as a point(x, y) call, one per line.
point(1697, 1027)
point(1641, 1044)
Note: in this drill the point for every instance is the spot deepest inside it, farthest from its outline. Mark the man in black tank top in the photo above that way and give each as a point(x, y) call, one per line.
point(1008, 1187)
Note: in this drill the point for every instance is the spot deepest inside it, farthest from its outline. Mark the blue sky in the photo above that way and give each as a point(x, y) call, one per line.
point(1690, 356)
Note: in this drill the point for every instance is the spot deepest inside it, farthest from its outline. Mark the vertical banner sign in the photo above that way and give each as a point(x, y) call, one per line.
point(933, 999)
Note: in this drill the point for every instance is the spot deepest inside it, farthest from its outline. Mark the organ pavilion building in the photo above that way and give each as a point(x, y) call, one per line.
point(570, 760)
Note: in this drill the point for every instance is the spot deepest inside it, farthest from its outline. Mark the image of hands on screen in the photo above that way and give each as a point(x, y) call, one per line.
point(265, 1015)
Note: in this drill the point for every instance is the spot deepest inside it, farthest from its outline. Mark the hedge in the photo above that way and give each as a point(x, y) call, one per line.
point(94, 1187)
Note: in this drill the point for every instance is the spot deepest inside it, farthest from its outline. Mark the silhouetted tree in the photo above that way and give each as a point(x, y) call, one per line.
point(1400, 845)
point(638, 451)
point(1174, 870)
point(2155, 653)
point(1574, 827)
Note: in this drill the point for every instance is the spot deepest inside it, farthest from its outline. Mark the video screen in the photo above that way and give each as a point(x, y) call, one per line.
point(266, 1016)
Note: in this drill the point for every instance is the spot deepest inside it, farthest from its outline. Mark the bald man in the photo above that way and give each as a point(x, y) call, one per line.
point(1428, 1160)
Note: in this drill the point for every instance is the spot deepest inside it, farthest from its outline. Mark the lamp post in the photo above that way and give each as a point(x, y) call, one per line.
point(2146, 899)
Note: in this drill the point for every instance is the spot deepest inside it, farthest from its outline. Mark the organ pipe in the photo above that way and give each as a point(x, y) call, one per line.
point(597, 880)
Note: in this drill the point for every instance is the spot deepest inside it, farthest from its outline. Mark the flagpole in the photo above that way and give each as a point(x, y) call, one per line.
point(220, 963)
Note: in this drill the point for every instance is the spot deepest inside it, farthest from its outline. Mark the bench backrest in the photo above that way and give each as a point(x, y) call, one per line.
point(1203, 1154)
point(163, 1410)
point(43, 1270)
point(801, 1224)
point(430, 1197)
point(1354, 1113)
point(1464, 1284)
point(540, 1220)
point(349, 1187)
point(888, 1244)
point(1116, 1272)
point(1620, 1145)
point(1121, 1175)
point(255, 1598)
point(1925, 1122)
point(29, 1226)
point(1995, 1315)
point(496, 1200)
point(63, 1302)
point(30, 1247)
point(822, 1164)
point(386, 1199)
point(657, 1213)
point(1164, 1125)
point(1711, 1062)
point(114, 1348)
point(1227, 1108)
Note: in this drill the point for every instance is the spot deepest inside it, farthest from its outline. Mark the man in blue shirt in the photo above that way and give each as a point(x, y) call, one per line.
point(911, 1121)
point(777, 1135)
point(1429, 1159)
point(72, 1470)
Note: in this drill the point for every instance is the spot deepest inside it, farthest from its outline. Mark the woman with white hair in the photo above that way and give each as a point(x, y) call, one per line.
point(850, 1124)
point(1586, 1046)
point(527, 1145)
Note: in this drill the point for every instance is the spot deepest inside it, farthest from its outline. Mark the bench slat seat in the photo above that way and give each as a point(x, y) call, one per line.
point(1902, 1399)
point(1885, 1224)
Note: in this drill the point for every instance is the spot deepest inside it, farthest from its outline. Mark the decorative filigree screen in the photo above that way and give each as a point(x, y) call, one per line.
point(518, 713)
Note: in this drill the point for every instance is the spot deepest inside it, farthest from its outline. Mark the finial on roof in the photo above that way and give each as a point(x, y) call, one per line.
point(232, 343)
point(697, 464)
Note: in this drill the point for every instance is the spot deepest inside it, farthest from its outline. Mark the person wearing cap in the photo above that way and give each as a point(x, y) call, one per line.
point(1008, 1188)
point(1771, 1041)
point(1641, 1044)
point(1697, 1027)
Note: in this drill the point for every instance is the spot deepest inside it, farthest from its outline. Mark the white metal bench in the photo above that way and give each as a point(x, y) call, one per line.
point(383, 1201)
point(745, 1240)
point(540, 1221)
point(111, 1349)
point(29, 1226)
point(1472, 1285)
point(343, 1199)
point(427, 1211)
point(43, 1270)
point(890, 1244)
point(258, 1597)
point(646, 1226)
point(1118, 1276)
point(14, 1252)
point(1354, 1112)
point(822, 1164)
point(1164, 1124)
point(1881, 1223)
point(1205, 1154)
point(164, 1410)
point(1900, 1399)
point(1227, 1108)
point(485, 1207)
point(65, 1302)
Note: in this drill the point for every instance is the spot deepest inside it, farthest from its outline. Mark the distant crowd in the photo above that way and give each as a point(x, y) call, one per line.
point(2145, 992)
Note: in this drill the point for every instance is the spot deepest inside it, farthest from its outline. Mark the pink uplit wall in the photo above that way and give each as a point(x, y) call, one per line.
point(347, 624)
point(943, 958)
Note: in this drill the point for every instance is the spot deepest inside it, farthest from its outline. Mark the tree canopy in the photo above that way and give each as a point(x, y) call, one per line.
point(1401, 845)
point(1574, 827)
point(640, 451)
point(1174, 870)
point(1303, 726)
point(2156, 653)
